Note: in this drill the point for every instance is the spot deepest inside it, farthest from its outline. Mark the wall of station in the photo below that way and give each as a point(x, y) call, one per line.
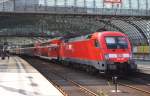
point(126, 7)
point(125, 4)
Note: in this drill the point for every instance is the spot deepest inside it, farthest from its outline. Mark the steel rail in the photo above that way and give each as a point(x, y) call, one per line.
point(77, 84)
point(139, 89)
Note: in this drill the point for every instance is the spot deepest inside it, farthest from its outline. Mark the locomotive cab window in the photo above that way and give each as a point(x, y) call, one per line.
point(96, 44)
point(116, 42)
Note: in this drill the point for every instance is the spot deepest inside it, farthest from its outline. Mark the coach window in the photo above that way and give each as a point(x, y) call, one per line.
point(35, 49)
point(96, 43)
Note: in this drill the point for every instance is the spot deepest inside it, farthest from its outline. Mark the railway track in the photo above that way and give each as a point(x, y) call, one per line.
point(130, 86)
point(135, 88)
point(136, 80)
point(139, 78)
point(81, 86)
point(96, 94)
point(61, 89)
point(47, 73)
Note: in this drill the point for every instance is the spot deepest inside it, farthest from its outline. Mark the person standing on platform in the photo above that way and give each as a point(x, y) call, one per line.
point(7, 53)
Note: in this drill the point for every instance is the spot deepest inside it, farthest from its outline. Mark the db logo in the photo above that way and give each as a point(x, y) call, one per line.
point(119, 55)
point(69, 47)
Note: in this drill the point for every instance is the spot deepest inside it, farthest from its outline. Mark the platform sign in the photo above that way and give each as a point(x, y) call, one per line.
point(112, 1)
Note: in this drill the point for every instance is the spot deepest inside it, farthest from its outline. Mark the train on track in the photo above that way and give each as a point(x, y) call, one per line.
point(104, 52)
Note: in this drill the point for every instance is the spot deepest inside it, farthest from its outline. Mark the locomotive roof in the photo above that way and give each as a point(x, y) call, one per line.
point(111, 33)
point(95, 34)
point(79, 38)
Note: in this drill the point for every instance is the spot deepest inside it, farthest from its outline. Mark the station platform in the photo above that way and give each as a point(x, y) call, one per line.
point(18, 78)
point(143, 66)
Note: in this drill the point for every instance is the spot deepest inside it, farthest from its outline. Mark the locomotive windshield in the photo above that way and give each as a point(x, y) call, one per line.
point(116, 42)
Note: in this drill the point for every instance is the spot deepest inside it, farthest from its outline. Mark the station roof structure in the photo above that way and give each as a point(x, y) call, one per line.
point(36, 19)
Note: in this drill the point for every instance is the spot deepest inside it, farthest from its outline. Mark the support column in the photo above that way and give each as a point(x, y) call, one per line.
point(85, 5)
point(3, 5)
point(65, 3)
point(75, 3)
point(94, 6)
point(146, 7)
point(55, 5)
point(75, 6)
point(45, 3)
point(25, 5)
point(14, 2)
point(138, 4)
point(130, 4)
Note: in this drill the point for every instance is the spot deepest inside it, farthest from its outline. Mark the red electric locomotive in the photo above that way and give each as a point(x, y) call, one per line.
point(101, 51)
point(104, 51)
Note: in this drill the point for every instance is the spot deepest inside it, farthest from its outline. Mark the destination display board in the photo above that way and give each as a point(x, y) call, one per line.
point(112, 1)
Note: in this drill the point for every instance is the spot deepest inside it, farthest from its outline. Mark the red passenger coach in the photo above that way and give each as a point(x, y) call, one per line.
point(48, 50)
point(104, 51)
point(37, 51)
point(54, 49)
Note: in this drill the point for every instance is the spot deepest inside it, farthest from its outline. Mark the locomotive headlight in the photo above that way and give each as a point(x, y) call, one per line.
point(112, 55)
point(108, 56)
point(126, 55)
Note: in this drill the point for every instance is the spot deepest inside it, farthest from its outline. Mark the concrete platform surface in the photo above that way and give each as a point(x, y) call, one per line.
point(18, 78)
